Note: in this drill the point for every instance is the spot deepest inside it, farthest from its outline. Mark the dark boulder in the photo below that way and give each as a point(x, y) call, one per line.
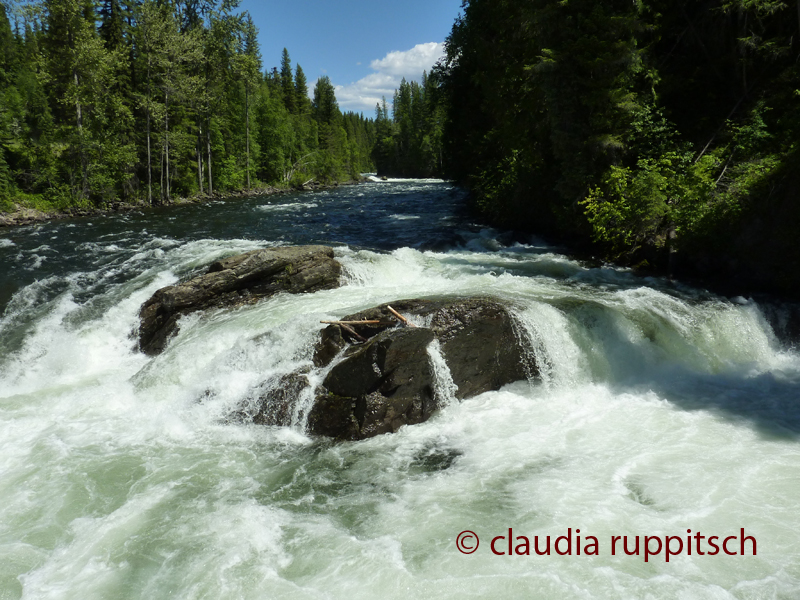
point(388, 381)
point(480, 346)
point(236, 281)
point(273, 402)
point(384, 384)
point(476, 335)
point(277, 401)
point(330, 344)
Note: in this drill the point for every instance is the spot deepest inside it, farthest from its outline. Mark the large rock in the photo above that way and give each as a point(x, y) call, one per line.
point(384, 384)
point(476, 335)
point(235, 281)
point(388, 381)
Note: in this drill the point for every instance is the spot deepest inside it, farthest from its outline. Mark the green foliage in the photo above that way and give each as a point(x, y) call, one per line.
point(301, 92)
point(231, 174)
point(410, 143)
point(637, 205)
point(287, 82)
point(629, 123)
point(141, 101)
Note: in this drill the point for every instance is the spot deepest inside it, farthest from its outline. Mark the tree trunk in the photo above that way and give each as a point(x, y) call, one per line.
point(149, 159)
point(247, 127)
point(161, 174)
point(166, 139)
point(208, 148)
point(199, 148)
point(79, 120)
point(149, 163)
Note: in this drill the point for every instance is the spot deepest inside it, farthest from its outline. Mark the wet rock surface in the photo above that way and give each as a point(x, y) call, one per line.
point(476, 336)
point(382, 375)
point(236, 281)
point(382, 385)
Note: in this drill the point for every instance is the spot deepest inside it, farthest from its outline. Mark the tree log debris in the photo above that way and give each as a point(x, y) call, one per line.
point(352, 332)
point(374, 322)
point(347, 325)
point(399, 316)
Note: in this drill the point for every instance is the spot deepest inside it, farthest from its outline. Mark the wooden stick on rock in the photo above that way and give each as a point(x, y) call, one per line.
point(352, 332)
point(399, 316)
point(353, 322)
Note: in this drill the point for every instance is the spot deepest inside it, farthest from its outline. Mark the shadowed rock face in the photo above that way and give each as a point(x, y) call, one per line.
point(382, 385)
point(235, 281)
point(388, 381)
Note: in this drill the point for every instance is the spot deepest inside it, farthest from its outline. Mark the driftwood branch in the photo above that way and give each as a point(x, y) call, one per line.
point(347, 325)
point(720, 128)
point(302, 162)
point(399, 316)
point(354, 322)
point(352, 332)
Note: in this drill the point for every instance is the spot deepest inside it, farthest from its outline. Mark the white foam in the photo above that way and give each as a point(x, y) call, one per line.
point(286, 207)
point(651, 413)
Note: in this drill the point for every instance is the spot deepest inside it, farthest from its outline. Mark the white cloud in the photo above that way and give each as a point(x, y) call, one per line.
point(410, 63)
point(365, 93)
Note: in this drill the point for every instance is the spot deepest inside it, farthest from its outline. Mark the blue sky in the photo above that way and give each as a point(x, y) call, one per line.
point(365, 47)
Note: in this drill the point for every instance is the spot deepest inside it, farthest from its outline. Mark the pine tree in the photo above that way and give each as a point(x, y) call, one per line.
point(325, 107)
point(301, 92)
point(111, 26)
point(287, 82)
point(83, 78)
point(98, 95)
point(249, 67)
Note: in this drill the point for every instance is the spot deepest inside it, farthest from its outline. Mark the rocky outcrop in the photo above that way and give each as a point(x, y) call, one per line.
point(476, 336)
point(235, 281)
point(382, 385)
point(386, 379)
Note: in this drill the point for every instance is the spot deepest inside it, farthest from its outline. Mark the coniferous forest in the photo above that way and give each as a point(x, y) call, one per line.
point(668, 134)
point(408, 143)
point(146, 101)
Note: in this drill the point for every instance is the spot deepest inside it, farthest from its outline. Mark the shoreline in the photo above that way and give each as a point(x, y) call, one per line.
point(30, 216)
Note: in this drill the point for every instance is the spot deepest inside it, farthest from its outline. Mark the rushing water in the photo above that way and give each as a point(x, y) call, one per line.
point(659, 408)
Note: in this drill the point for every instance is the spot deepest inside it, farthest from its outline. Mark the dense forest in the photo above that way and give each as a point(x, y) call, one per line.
point(143, 101)
point(667, 133)
point(408, 143)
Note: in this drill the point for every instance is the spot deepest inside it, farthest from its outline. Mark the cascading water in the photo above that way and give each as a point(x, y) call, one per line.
point(658, 409)
point(445, 389)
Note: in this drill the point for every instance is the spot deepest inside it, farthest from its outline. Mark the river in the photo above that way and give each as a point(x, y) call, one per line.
point(660, 408)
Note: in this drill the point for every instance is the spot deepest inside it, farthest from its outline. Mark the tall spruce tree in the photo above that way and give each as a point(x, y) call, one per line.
point(9, 97)
point(287, 82)
point(301, 92)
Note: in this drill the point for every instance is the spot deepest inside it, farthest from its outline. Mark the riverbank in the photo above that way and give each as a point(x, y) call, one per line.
point(27, 216)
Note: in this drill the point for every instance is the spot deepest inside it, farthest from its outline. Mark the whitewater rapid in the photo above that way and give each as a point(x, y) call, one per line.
point(658, 408)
